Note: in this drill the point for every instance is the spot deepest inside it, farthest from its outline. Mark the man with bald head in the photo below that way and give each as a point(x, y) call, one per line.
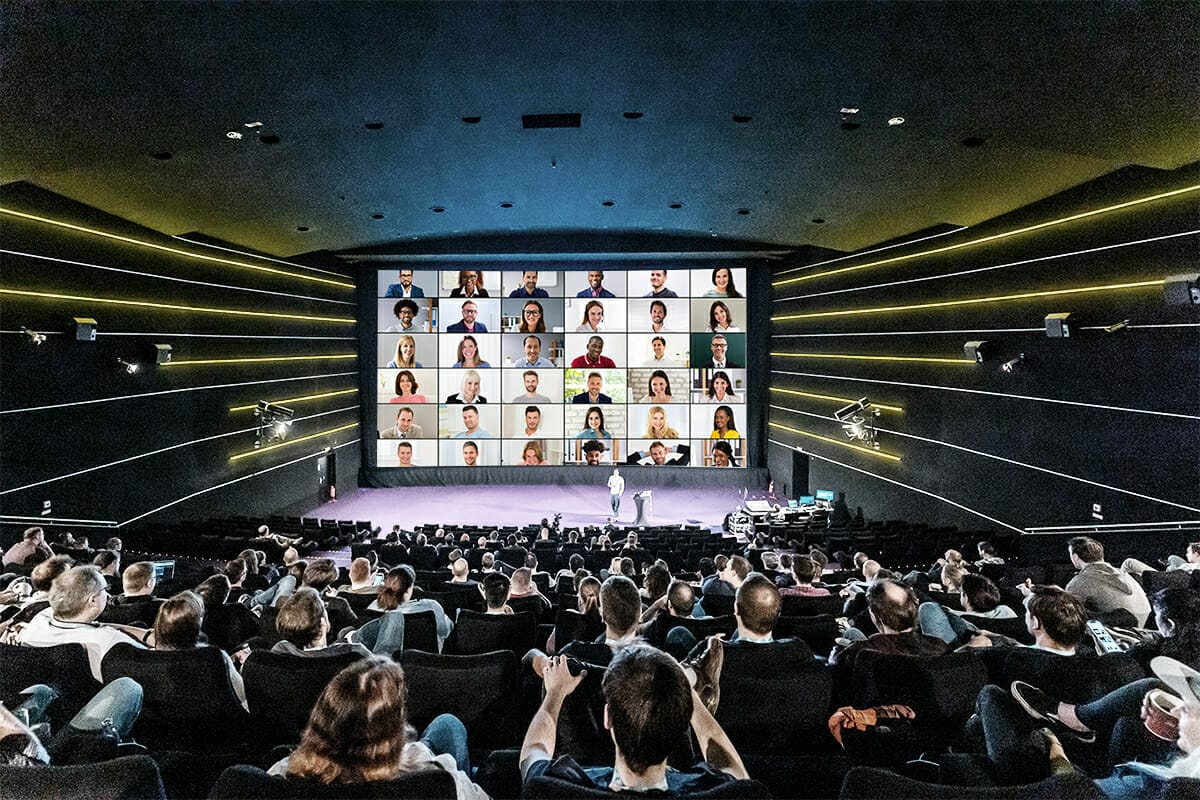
point(893, 608)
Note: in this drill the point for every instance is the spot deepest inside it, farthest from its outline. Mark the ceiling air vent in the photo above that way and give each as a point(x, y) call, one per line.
point(529, 121)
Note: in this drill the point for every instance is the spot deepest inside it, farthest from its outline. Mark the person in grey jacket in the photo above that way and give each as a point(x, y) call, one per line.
point(1102, 587)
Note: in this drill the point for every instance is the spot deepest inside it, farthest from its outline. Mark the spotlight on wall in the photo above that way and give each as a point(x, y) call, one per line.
point(274, 423)
point(858, 421)
point(34, 336)
point(1117, 327)
point(1012, 365)
point(130, 367)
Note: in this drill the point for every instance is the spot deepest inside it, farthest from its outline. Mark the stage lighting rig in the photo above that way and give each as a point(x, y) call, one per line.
point(34, 336)
point(858, 421)
point(274, 423)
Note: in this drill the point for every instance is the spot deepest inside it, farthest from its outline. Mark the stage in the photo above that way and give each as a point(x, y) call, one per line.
point(521, 505)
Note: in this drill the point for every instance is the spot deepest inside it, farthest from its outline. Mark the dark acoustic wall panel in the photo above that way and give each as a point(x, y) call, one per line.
point(101, 444)
point(1104, 418)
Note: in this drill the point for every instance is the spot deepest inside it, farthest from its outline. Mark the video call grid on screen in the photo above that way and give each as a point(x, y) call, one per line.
point(495, 367)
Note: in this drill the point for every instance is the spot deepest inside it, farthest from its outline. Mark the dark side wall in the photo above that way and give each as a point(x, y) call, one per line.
point(97, 443)
point(1111, 419)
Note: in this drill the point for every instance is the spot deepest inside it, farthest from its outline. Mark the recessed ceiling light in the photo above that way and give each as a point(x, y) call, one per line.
point(377, 215)
point(303, 228)
point(896, 121)
point(374, 126)
point(676, 206)
point(743, 211)
point(438, 209)
point(608, 204)
point(472, 120)
point(742, 118)
point(506, 204)
point(163, 156)
point(269, 138)
point(632, 115)
point(973, 141)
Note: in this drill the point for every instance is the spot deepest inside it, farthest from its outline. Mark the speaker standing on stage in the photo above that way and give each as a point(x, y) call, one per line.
point(616, 486)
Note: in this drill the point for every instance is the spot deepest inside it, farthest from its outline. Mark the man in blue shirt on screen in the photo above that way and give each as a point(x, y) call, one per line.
point(533, 354)
point(470, 312)
point(529, 287)
point(404, 288)
point(595, 285)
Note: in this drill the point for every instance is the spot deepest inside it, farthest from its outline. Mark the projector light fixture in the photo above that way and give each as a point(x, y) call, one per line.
point(274, 423)
point(1012, 365)
point(130, 367)
point(34, 336)
point(858, 421)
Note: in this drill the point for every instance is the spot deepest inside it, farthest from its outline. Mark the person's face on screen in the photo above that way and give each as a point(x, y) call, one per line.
point(595, 280)
point(469, 312)
point(404, 420)
point(721, 280)
point(595, 316)
point(719, 346)
point(659, 348)
point(658, 313)
point(532, 420)
point(532, 314)
point(594, 385)
point(470, 280)
point(658, 386)
point(720, 387)
point(468, 350)
point(658, 454)
point(531, 458)
point(593, 420)
point(595, 347)
point(470, 419)
point(405, 455)
point(408, 347)
point(406, 277)
point(531, 383)
point(721, 419)
point(470, 454)
point(657, 278)
point(533, 351)
point(721, 316)
point(470, 388)
point(658, 420)
point(720, 458)
point(593, 456)
point(406, 385)
point(530, 280)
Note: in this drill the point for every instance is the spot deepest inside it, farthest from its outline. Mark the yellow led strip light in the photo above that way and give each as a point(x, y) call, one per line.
point(992, 238)
point(304, 399)
point(853, 357)
point(268, 448)
point(258, 360)
point(231, 312)
point(173, 250)
point(829, 397)
point(838, 442)
point(1111, 287)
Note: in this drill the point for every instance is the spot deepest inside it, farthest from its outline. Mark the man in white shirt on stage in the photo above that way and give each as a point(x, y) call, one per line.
point(616, 486)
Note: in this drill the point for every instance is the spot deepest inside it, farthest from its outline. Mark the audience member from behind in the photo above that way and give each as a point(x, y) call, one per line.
point(396, 595)
point(978, 596)
point(31, 550)
point(362, 578)
point(33, 597)
point(649, 707)
point(495, 590)
point(320, 575)
point(1102, 588)
point(304, 627)
point(137, 601)
point(805, 572)
point(893, 608)
point(1055, 619)
point(1189, 561)
point(77, 598)
point(358, 733)
point(177, 627)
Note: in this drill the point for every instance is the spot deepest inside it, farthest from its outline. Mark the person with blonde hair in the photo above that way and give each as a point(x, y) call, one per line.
point(358, 733)
point(657, 426)
point(532, 456)
point(406, 354)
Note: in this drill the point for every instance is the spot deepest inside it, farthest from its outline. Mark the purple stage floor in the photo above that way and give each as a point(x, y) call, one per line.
point(522, 505)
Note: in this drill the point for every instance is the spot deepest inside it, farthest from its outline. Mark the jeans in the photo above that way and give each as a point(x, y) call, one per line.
point(933, 620)
point(615, 501)
point(446, 735)
point(1117, 716)
point(119, 702)
point(1018, 751)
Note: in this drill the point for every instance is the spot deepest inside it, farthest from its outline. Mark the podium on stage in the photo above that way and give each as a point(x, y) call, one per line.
point(642, 499)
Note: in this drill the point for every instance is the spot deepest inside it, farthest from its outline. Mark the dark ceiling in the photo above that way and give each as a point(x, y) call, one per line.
point(126, 107)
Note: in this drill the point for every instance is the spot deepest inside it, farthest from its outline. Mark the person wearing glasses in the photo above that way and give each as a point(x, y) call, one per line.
point(533, 318)
point(405, 287)
point(470, 313)
point(720, 346)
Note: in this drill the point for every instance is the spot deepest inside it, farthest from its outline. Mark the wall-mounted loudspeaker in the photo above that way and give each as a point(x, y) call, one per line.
point(1182, 290)
point(162, 354)
point(1058, 326)
point(85, 329)
point(979, 351)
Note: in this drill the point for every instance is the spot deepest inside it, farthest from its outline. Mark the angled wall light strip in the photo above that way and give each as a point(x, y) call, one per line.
point(983, 392)
point(173, 250)
point(897, 359)
point(831, 398)
point(238, 479)
point(961, 273)
point(304, 399)
point(852, 312)
point(204, 362)
point(174, 279)
point(229, 312)
point(925, 492)
point(872, 252)
point(941, 332)
point(245, 254)
point(173, 391)
point(290, 442)
point(828, 440)
point(994, 237)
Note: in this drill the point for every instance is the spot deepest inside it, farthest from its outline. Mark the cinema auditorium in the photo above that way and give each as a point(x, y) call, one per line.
point(516, 399)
